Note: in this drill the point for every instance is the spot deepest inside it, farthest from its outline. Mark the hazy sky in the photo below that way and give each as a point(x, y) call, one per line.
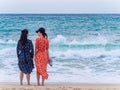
point(59, 6)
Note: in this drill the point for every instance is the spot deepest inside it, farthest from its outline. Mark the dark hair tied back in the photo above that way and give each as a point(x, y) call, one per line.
point(24, 31)
point(23, 37)
point(45, 35)
point(42, 30)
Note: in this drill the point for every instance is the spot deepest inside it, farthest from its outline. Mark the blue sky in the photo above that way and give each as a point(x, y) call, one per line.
point(59, 6)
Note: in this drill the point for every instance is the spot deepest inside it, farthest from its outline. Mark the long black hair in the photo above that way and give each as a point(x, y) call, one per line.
point(23, 37)
point(42, 30)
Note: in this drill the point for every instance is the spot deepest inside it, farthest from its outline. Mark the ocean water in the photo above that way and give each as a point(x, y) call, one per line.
point(85, 48)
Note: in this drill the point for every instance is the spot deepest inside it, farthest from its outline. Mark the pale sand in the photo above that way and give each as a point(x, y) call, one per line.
point(61, 87)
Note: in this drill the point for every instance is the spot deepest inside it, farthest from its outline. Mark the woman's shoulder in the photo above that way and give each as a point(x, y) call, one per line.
point(29, 41)
point(37, 39)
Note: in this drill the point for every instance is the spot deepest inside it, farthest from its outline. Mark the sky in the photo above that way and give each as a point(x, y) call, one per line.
point(60, 6)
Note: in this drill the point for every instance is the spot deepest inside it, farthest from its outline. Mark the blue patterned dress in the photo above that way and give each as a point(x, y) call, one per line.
point(25, 54)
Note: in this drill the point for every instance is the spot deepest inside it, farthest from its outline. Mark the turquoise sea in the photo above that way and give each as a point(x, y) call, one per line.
point(85, 48)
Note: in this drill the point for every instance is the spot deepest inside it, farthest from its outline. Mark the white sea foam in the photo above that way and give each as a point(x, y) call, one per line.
point(84, 53)
point(60, 39)
point(10, 41)
point(76, 66)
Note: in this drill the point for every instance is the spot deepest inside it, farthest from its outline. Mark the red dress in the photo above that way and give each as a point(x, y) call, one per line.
point(41, 58)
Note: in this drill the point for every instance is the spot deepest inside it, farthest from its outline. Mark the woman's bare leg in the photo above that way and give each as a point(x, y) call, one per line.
point(38, 79)
point(28, 78)
point(21, 77)
point(43, 81)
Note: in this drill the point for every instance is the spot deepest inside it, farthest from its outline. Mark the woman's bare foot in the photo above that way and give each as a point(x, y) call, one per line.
point(21, 83)
point(38, 84)
point(28, 83)
point(42, 83)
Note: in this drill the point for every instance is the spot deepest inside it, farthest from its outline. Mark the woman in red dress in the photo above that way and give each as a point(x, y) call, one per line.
point(41, 55)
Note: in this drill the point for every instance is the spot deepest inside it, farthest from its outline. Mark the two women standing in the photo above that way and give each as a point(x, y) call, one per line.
point(25, 53)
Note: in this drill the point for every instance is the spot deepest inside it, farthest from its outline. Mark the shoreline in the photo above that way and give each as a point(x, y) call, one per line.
point(62, 86)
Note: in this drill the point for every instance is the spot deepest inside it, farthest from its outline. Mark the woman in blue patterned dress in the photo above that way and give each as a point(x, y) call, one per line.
point(25, 54)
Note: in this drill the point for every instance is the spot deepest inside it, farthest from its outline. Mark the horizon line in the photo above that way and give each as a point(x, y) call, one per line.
point(60, 13)
point(56, 13)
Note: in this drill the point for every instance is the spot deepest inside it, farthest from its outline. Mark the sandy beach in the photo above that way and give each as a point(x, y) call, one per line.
point(61, 87)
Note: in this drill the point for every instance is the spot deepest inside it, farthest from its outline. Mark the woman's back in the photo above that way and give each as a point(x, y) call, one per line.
point(25, 55)
point(42, 44)
point(25, 51)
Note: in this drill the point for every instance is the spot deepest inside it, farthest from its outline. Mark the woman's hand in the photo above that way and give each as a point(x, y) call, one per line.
point(50, 61)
